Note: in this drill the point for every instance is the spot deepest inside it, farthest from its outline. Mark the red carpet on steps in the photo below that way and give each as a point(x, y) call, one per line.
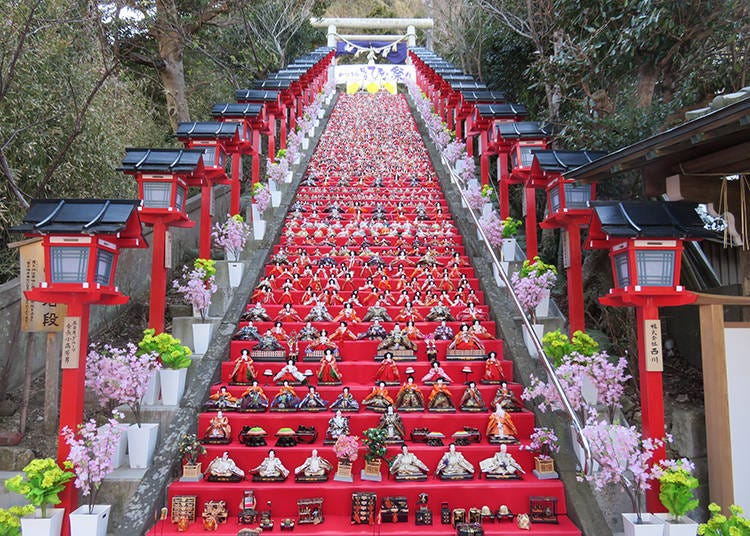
point(372, 165)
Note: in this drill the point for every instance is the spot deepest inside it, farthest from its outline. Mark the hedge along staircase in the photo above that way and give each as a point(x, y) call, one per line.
point(358, 368)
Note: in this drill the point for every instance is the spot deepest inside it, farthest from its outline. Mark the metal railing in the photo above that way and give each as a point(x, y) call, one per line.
point(567, 407)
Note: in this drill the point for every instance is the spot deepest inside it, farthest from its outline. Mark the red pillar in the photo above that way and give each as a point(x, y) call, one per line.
point(652, 398)
point(503, 176)
point(234, 203)
point(459, 128)
point(469, 145)
point(282, 133)
point(484, 158)
point(449, 114)
point(575, 281)
point(271, 134)
point(255, 169)
point(158, 278)
point(204, 240)
point(531, 238)
point(292, 117)
point(71, 403)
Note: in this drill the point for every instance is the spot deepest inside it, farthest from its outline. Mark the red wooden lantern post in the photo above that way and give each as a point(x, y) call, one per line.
point(82, 239)
point(514, 143)
point(164, 198)
point(250, 120)
point(645, 242)
point(567, 209)
point(486, 117)
point(274, 108)
point(465, 112)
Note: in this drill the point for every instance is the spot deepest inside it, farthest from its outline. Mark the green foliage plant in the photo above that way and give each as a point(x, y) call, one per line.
point(720, 525)
point(207, 265)
point(676, 490)
point(510, 226)
point(191, 448)
point(10, 523)
point(172, 353)
point(557, 345)
point(538, 267)
point(42, 482)
point(374, 440)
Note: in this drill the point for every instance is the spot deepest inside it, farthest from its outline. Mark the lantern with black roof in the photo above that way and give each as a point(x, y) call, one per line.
point(283, 86)
point(163, 189)
point(274, 108)
point(513, 143)
point(486, 117)
point(567, 209)
point(450, 94)
point(82, 241)
point(645, 242)
point(250, 120)
point(465, 112)
point(217, 139)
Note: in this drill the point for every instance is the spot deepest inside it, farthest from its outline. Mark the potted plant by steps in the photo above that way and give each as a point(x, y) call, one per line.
point(557, 347)
point(91, 451)
point(197, 286)
point(10, 519)
point(493, 229)
point(175, 360)
point(232, 235)
point(544, 444)
point(276, 173)
point(41, 484)
point(488, 199)
point(122, 376)
point(722, 525)
point(261, 197)
point(510, 227)
point(190, 450)
point(624, 458)
point(531, 285)
point(374, 440)
point(473, 195)
point(676, 494)
point(346, 450)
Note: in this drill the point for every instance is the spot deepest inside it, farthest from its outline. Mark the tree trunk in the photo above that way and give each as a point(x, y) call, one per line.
point(170, 66)
point(172, 74)
point(647, 78)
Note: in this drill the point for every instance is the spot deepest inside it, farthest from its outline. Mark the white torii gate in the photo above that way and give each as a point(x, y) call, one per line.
point(410, 25)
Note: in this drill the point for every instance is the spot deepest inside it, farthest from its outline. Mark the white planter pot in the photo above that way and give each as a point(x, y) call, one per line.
point(486, 210)
point(94, 524)
point(231, 256)
point(259, 229)
point(508, 249)
point(272, 186)
point(542, 310)
point(578, 451)
point(316, 123)
point(460, 165)
point(305, 144)
point(35, 525)
point(256, 214)
point(650, 526)
point(529, 341)
point(297, 160)
point(321, 113)
point(276, 199)
point(289, 177)
point(235, 273)
point(683, 527)
point(121, 452)
point(151, 396)
point(589, 392)
point(479, 235)
point(172, 385)
point(141, 444)
point(201, 336)
point(498, 280)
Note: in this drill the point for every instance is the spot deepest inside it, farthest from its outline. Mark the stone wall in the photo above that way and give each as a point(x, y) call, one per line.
point(133, 279)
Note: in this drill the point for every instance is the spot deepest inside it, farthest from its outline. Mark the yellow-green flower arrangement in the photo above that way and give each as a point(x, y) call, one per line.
point(10, 522)
point(537, 267)
point(510, 225)
point(172, 353)
point(721, 525)
point(42, 482)
point(207, 265)
point(557, 345)
point(676, 487)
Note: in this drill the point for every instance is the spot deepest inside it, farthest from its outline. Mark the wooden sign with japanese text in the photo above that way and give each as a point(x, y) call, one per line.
point(37, 316)
point(565, 246)
point(168, 249)
point(652, 331)
point(71, 343)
